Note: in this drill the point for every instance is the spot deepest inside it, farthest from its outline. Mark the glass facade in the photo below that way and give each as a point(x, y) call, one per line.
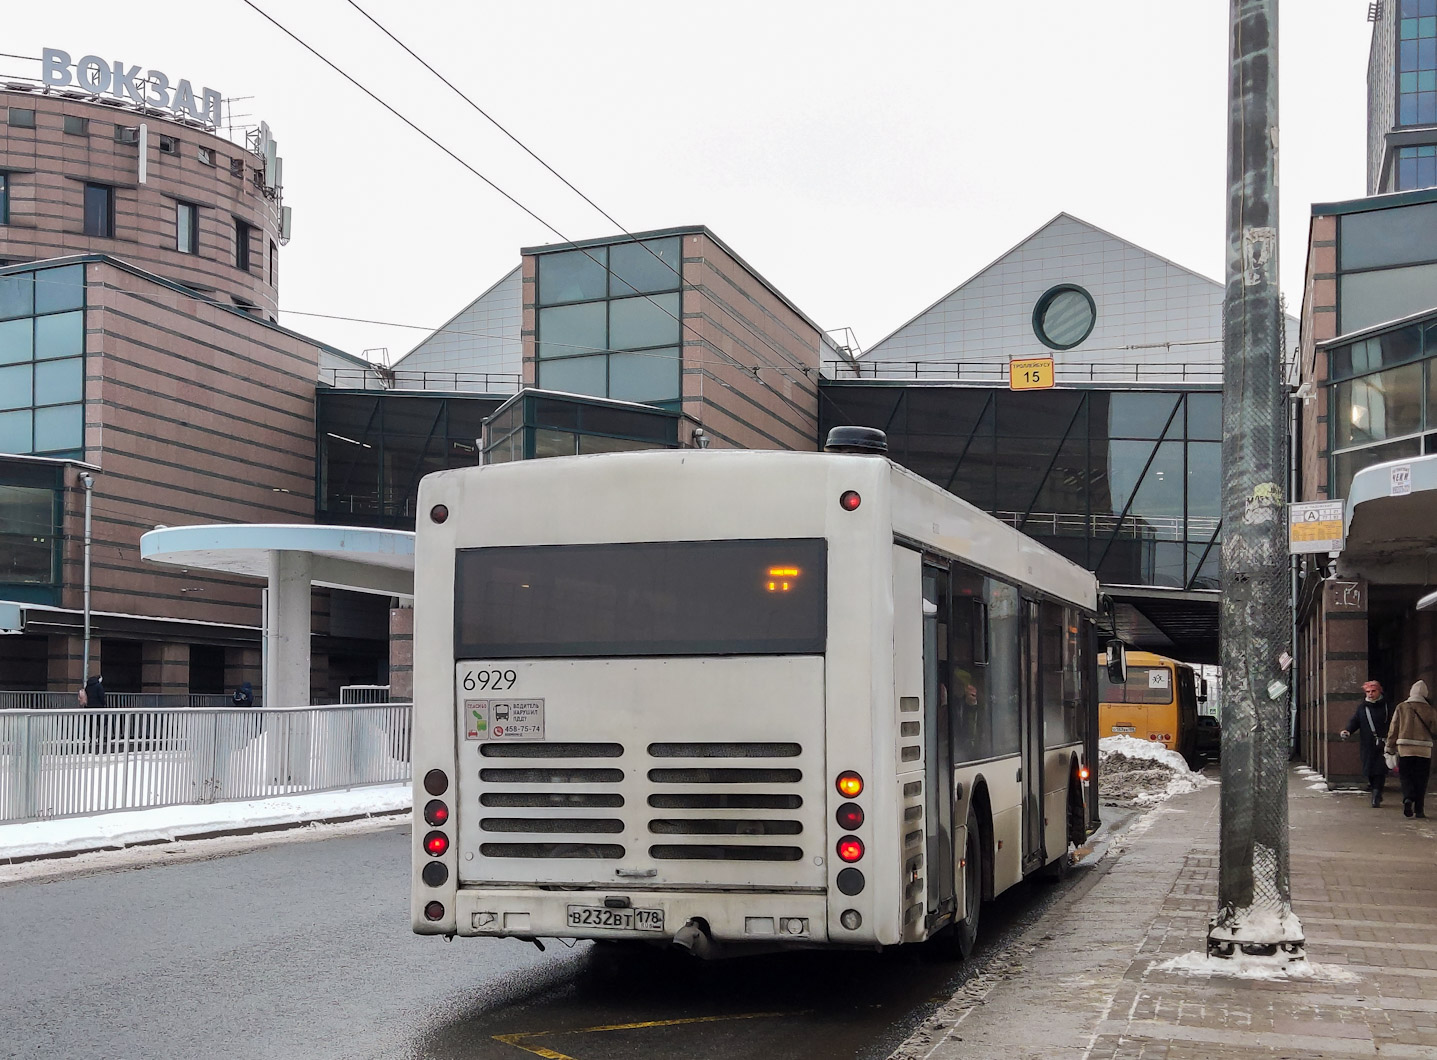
point(4, 198)
point(375, 447)
point(535, 424)
point(609, 321)
point(30, 512)
point(1387, 263)
point(1382, 401)
point(42, 361)
point(1125, 483)
point(1417, 63)
point(1416, 167)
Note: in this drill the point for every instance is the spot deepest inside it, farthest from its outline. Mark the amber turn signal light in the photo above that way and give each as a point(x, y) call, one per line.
point(849, 784)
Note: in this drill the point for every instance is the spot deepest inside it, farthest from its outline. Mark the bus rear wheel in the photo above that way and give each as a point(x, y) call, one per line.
point(964, 934)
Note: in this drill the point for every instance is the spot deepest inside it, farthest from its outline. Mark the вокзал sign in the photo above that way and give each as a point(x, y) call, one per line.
point(150, 88)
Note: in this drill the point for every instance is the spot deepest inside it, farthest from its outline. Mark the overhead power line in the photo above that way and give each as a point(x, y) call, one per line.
point(783, 355)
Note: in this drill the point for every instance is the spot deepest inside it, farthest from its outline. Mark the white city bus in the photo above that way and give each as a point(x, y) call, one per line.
point(738, 699)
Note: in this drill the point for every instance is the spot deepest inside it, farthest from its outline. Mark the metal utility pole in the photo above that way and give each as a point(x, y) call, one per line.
point(1254, 898)
point(88, 481)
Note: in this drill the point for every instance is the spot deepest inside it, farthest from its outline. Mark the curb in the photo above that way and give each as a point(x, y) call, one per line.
point(215, 833)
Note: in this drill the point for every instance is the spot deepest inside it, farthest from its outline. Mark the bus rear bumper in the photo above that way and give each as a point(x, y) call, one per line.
point(513, 912)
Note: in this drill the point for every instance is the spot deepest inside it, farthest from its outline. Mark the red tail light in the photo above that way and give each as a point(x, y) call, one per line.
point(435, 812)
point(436, 843)
point(850, 849)
point(439, 513)
point(849, 501)
point(434, 911)
point(850, 815)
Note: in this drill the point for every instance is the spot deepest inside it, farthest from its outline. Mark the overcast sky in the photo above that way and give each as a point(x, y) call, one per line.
point(866, 158)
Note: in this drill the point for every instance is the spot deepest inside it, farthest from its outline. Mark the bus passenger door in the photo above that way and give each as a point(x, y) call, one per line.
point(1032, 729)
point(938, 750)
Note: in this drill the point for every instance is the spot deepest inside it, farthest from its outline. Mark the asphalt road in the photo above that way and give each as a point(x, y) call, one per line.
point(303, 950)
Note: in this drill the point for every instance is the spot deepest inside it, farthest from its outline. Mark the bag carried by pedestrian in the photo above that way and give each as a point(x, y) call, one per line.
point(1391, 761)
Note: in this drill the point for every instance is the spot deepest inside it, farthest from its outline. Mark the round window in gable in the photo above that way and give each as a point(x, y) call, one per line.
point(1064, 316)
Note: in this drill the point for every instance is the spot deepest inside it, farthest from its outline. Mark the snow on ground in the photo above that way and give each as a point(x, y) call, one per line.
point(1142, 772)
point(68, 834)
point(1242, 966)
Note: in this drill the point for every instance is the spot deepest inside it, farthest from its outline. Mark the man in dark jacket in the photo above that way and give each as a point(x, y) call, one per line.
point(95, 693)
point(1369, 721)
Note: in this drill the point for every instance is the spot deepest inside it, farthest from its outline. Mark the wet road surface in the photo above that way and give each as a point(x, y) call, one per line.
point(304, 951)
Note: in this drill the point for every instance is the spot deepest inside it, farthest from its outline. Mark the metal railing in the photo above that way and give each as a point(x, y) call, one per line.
point(65, 763)
point(381, 378)
point(1152, 372)
point(1144, 527)
point(365, 694)
point(113, 700)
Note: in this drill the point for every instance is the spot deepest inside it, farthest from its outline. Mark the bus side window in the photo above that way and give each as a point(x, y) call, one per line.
point(1004, 670)
point(971, 729)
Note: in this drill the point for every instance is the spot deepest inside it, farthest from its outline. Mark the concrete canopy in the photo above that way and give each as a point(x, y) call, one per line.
point(1391, 523)
point(292, 559)
point(342, 557)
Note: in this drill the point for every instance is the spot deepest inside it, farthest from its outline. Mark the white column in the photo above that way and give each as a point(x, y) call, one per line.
point(287, 667)
point(287, 638)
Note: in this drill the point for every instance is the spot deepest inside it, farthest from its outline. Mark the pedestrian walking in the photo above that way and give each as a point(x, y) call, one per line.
point(1409, 738)
point(1369, 722)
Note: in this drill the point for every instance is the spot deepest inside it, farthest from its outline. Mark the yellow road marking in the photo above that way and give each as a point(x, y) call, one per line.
point(519, 1040)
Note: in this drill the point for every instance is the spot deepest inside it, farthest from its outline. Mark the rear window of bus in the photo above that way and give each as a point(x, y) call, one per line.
point(752, 597)
point(1145, 684)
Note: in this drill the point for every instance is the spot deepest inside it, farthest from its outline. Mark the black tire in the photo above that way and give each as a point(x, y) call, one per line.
point(964, 934)
point(1057, 869)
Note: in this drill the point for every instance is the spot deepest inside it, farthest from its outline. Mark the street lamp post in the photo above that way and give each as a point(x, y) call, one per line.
point(1254, 915)
point(88, 481)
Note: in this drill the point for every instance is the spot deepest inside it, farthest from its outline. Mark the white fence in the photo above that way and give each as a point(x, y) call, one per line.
point(113, 700)
point(63, 763)
point(364, 694)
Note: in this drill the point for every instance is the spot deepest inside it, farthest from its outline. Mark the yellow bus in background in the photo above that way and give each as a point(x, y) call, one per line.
point(1159, 702)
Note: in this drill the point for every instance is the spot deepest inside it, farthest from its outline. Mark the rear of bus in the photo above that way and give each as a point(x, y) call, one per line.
point(1157, 703)
point(621, 727)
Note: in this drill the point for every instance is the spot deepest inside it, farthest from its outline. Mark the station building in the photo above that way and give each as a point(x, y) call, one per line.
point(1366, 405)
point(141, 371)
point(136, 319)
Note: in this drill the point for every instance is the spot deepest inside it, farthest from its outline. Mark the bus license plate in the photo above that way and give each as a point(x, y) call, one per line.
point(591, 916)
point(1123, 728)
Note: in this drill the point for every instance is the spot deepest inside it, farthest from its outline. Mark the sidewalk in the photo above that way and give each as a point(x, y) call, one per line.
point(1087, 982)
point(27, 840)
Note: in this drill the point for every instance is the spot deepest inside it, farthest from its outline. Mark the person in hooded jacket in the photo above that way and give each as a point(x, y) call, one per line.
point(1410, 737)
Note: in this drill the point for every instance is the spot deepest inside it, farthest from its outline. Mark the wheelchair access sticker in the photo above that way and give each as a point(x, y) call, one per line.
point(504, 719)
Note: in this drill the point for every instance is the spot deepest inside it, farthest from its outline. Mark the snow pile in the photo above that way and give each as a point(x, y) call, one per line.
point(106, 830)
point(1142, 772)
point(1242, 966)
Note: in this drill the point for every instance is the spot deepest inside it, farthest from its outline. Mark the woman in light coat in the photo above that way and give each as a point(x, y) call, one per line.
point(1410, 738)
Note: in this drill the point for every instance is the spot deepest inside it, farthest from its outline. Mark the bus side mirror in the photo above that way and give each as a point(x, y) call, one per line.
point(1117, 663)
point(1202, 690)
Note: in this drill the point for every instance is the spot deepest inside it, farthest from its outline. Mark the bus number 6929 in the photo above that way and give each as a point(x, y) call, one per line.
point(489, 680)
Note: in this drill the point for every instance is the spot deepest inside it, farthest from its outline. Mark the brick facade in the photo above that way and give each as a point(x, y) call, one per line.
point(49, 168)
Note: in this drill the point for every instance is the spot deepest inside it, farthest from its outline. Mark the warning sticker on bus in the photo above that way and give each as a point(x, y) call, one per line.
point(504, 719)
